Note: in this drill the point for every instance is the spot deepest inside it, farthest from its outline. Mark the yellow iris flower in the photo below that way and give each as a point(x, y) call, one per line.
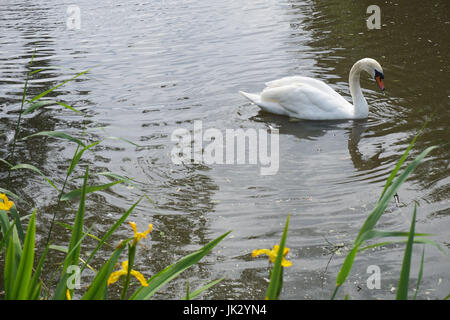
point(139, 235)
point(5, 204)
point(273, 255)
point(123, 272)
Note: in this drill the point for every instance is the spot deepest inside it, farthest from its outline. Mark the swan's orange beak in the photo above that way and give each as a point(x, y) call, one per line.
point(380, 82)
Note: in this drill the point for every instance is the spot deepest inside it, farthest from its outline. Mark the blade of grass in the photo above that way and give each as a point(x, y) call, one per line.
point(97, 289)
point(416, 240)
point(110, 232)
point(19, 119)
point(373, 218)
point(61, 288)
point(124, 140)
point(402, 159)
point(43, 103)
point(34, 169)
point(77, 193)
point(57, 134)
point(6, 162)
point(187, 290)
point(21, 284)
point(35, 285)
point(69, 227)
point(402, 293)
point(77, 231)
point(193, 294)
point(372, 234)
point(38, 105)
point(419, 277)
point(66, 251)
point(76, 158)
point(65, 105)
point(172, 271)
point(10, 270)
point(276, 282)
point(73, 255)
point(6, 234)
point(43, 94)
point(126, 282)
point(16, 217)
point(345, 269)
point(118, 177)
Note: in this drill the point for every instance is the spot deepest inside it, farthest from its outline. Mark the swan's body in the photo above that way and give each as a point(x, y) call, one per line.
point(311, 99)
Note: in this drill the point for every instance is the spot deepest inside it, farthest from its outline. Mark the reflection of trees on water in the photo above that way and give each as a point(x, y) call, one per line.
point(409, 46)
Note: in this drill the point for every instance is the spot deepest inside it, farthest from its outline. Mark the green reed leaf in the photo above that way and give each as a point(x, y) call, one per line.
point(195, 293)
point(402, 159)
point(34, 169)
point(98, 288)
point(110, 232)
point(403, 284)
point(276, 278)
point(419, 277)
point(21, 286)
point(382, 204)
point(43, 94)
point(172, 271)
point(78, 156)
point(77, 193)
point(57, 134)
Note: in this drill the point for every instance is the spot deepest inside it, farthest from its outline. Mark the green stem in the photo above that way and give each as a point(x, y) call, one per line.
point(17, 130)
point(52, 223)
point(131, 255)
point(334, 292)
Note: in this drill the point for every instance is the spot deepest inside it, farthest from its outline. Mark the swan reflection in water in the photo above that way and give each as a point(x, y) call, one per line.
point(311, 130)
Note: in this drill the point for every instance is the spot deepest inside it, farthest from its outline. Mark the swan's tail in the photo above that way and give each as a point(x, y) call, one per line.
point(255, 98)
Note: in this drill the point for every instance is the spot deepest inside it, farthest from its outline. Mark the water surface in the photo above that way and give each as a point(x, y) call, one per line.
point(158, 66)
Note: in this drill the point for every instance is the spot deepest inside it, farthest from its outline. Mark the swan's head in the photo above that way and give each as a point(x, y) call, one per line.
point(372, 67)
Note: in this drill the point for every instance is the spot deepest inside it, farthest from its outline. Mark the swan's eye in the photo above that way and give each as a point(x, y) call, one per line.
point(378, 74)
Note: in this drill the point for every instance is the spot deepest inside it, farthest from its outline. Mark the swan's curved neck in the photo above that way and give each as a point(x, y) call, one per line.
point(359, 102)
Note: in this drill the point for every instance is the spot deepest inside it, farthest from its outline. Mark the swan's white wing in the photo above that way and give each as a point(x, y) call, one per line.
point(318, 84)
point(305, 101)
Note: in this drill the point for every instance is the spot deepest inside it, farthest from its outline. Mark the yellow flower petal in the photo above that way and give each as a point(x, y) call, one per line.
point(260, 251)
point(5, 204)
point(286, 263)
point(272, 254)
point(113, 277)
point(123, 272)
point(140, 277)
point(138, 236)
point(150, 227)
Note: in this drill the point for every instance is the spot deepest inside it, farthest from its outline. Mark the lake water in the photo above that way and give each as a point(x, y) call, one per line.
point(159, 66)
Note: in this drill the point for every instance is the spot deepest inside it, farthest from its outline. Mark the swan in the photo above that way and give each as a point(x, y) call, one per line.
point(311, 99)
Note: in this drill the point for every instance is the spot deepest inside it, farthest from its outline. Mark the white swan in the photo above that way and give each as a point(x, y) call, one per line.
point(311, 99)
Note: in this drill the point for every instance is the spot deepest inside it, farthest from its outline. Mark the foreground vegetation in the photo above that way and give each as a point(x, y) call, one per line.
point(22, 274)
